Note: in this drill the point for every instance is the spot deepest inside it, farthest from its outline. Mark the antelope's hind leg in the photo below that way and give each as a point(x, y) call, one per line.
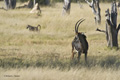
point(86, 57)
point(79, 54)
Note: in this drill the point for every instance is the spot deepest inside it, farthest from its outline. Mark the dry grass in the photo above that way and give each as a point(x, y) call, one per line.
point(55, 74)
point(26, 53)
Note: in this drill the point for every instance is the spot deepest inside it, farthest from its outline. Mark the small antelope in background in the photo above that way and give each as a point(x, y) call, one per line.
point(79, 43)
point(32, 28)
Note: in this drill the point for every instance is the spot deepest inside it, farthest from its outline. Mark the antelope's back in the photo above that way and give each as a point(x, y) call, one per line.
point(84, 42)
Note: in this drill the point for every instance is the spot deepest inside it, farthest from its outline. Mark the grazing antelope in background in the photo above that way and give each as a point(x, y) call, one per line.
point(79, 43)
point(32, 28)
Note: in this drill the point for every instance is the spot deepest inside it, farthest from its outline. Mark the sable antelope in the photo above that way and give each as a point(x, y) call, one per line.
point(32, 28)
point(79, 43)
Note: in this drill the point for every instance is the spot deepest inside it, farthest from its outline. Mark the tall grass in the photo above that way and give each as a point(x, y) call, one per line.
point(53, 61)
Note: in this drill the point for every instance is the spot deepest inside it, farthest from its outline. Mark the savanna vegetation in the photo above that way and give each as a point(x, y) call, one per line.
point(43, 1)
point(71, 0)
point(46, 55)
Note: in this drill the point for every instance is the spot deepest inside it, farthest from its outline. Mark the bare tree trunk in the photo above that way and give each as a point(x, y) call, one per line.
point(30, 4)
point(34, 2)
point(111, 27)
point(10, 4)
point(13, 2)
point(96, 10)
point(7, 3)
point(81, 6)
point(47, 2)
point(36, 9)
point(66, 7)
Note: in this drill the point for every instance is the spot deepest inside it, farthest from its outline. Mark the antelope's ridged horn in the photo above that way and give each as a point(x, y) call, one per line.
point(76, 25)
point(79, 24)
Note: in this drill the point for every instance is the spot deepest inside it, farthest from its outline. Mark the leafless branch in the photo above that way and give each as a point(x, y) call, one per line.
point(101, 30)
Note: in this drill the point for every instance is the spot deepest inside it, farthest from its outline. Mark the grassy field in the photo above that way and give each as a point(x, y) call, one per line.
point(46, 55)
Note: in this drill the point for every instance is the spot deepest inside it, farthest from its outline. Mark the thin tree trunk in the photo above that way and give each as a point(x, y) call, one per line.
point(96, 10)
point(66, 7)
point(13, 4)
point(47, 2)
point(30, 4)
point(34, 2)
point(7, 3)
point(10, 4)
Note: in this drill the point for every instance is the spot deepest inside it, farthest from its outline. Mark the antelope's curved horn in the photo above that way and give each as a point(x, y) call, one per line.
point(79, 24)
point(76, 25)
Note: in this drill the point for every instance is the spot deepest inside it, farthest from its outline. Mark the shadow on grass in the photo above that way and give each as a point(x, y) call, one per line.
point(52, 62)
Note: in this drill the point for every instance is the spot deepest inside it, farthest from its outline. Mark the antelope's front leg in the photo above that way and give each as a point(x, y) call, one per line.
point(72, 49)
point(79, 54)
point(86, 57)
point(72, 53)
